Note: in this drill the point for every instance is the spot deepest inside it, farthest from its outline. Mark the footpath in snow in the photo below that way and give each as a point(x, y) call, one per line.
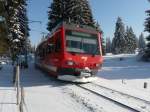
point(7, 91)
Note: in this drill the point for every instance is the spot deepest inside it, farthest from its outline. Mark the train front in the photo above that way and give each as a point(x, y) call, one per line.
point(82, 56)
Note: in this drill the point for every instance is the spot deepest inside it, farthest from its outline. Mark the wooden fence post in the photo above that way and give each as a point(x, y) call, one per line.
point(17, 82)
point(22, 100)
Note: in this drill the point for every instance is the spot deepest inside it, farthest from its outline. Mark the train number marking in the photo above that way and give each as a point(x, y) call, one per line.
point(84, 58)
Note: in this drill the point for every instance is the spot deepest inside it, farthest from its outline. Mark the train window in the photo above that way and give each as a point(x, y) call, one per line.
point(50, 48)
point(40, 52)
point(43, 52)
point(80, 42)
point(58, 44)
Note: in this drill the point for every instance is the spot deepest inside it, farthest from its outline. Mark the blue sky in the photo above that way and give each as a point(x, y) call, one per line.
point(104, 11)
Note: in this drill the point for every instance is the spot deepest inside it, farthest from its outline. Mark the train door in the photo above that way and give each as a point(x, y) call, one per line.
point(57, 49)
point(54, 52)
point(49, 57)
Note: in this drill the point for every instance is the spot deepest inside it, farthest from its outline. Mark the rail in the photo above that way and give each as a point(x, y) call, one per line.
point(144, 100)
point(109, 98)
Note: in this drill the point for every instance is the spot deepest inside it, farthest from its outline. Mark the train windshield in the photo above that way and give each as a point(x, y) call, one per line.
point(79, 42)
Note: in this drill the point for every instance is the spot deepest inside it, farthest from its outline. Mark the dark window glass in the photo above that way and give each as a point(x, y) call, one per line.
point(79, 42)
point(58, 44)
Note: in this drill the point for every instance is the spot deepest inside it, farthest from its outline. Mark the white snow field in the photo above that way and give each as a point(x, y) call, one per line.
point(46, 94)
point(128, 72)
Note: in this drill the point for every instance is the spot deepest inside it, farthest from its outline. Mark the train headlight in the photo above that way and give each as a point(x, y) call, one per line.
point(70, 63)
point(97, 65)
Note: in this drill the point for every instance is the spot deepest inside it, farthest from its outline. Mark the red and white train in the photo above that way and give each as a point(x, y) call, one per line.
point(71, 53)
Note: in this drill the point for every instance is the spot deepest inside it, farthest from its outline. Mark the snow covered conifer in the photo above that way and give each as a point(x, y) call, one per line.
point(108, 45)
point(131, 41)
point(103, 46)
point(55, 13)
point(4, 42)
point(141, 42)
point(79, 12)
point(147, 28)
point(98, 27)
point(18, 24)
point(119, 41)
point(74, 11)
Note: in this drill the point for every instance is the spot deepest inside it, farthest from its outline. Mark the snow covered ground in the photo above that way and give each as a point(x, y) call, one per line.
point(128, 72)
point(46, 94)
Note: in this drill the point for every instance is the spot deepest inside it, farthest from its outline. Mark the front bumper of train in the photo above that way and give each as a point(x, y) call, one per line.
point(76, 71)
point(77, 75)
point(72, 78)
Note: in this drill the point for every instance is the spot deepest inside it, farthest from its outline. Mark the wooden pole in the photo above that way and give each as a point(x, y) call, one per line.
point(18, 82)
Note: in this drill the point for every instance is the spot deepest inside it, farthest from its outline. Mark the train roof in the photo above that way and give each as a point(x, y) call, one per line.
point(70, 26)
point(73, 26)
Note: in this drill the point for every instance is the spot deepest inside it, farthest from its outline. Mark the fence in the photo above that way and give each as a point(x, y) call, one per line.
point(19, 90)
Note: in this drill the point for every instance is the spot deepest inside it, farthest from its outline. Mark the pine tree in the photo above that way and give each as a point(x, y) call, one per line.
point(74, 11)
point(103, 46)
point(119, 41)
point(80, 12)
point(55, 14)
point(147, 28)
point(131, 42)
point(108, 45)
point(141, 42)
point(98, 27)
point(4, 43)
point(18, 25)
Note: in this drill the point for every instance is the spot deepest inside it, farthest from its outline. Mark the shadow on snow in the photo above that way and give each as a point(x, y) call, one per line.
point(28, 78)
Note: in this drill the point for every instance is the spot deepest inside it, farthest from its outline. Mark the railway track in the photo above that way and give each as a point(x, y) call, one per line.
point(112, 90)
point(124, 100)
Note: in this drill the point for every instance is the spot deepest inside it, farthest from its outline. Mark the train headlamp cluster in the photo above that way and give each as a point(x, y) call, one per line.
point(70, 63)
point(97, 65)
